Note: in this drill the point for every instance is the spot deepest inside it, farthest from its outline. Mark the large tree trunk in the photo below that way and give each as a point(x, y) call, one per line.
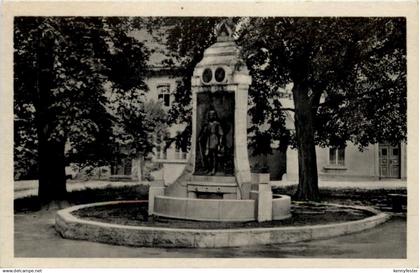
point(308, 173)
point(52, 177)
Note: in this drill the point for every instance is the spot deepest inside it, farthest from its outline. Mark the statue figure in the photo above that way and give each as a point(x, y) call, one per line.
point(211, 141)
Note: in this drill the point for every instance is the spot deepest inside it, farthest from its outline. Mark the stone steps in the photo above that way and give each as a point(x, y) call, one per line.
point(225, 185)
point(211, 183)
point(214, 179)
point(116, 178)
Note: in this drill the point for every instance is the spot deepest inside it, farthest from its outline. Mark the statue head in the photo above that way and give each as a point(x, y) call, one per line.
point(224, 30)
point(212, 115)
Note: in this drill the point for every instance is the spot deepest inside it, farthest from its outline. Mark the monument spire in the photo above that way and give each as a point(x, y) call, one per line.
point(224, 30)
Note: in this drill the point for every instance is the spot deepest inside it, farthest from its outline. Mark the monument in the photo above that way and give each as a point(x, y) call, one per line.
point(216, 184)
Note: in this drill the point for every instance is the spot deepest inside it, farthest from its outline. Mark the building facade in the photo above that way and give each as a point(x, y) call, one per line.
point(375, 162)
point(378, 161)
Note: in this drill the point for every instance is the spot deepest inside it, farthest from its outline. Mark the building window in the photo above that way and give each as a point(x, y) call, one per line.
point(164, 94)
point(337, 156)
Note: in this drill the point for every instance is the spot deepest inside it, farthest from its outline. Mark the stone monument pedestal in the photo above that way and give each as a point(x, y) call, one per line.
point(216, 183)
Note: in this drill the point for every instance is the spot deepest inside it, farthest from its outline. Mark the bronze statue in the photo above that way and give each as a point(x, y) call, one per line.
point(211, 141)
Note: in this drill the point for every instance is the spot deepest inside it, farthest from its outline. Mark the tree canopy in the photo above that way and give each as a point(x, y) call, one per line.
point(78, 81)
point(348, 77)
point(357, 66)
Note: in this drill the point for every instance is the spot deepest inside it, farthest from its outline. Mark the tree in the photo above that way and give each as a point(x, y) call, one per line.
point(66, 72)
point(135, 130)
point(358, 64)
point(267, 119)
point(348, 77)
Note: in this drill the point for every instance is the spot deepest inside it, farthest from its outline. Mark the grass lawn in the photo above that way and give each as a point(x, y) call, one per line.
point(302, 214)
point(376, 198)
point(136, 192)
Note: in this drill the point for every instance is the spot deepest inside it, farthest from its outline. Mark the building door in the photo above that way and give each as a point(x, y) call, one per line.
point(389, 161)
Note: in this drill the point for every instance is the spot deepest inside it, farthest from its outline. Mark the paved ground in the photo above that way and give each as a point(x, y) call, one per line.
point(377, 184)
point(35, 237)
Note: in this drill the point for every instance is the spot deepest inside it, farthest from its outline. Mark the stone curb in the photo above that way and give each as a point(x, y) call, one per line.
point(71, 227)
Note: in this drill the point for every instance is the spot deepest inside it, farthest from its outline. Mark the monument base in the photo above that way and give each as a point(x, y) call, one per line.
point(221, 210)
point(218, 198)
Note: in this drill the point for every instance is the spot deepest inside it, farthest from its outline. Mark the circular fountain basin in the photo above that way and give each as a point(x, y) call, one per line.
point(73, 227)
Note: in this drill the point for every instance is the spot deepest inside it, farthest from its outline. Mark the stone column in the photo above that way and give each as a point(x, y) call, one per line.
point(265, 198)
point(191, 160)
point(376, 162)
point(242, 169)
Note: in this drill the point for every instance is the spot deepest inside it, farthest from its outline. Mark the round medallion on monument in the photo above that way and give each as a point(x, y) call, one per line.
point(219, 74)
point(207, 75)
